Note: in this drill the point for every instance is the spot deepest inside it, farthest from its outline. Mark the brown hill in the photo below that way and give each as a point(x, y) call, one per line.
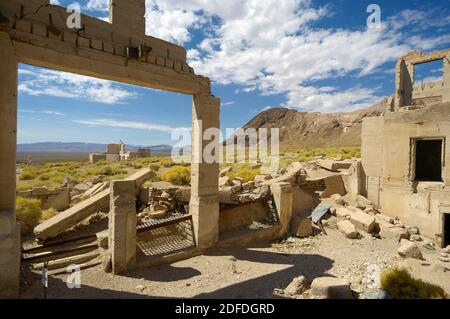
point(305, 129)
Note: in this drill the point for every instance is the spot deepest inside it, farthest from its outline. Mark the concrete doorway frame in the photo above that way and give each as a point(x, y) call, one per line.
point(36, 33)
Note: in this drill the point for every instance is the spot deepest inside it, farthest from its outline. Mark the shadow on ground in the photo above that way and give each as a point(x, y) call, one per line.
point(309, 265)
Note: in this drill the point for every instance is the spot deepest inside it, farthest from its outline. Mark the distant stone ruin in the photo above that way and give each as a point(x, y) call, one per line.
point(117, 152)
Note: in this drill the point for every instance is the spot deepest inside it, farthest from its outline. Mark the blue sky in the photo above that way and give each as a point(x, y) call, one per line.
point(309, 55)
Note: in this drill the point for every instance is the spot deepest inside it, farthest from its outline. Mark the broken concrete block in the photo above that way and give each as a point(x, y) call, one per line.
point(102, 239)
point(225, 181)
point(412, 230)
point(298, 286)
point(408, 249)
point(248, 186)
point(342, 212)
point(333, 165)
point(292, 175)
point(69, 218)
point(262, 178)
point(384, 218)
point(301, 227)
point(363, 221)
point(348, 229)
point(225, 171)
point(331, 288)
point(338, 199)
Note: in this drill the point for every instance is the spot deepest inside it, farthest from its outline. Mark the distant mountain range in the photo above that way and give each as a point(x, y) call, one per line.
point(78, 147)
point(313, 129)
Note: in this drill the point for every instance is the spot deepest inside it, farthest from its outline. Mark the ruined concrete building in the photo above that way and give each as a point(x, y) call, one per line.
point(406, 153)
point(117, 152)
point(36, 33)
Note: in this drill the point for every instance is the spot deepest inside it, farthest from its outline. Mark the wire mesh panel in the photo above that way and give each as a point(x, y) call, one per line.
point(165, 236)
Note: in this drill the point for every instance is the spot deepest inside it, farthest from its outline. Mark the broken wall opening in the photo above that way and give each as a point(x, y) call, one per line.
point(428, 160)
point(429, 72)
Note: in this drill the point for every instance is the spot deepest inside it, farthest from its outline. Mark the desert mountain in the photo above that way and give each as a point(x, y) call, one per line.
point(307, 129)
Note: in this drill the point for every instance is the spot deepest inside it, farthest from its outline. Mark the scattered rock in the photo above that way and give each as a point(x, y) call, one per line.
point(297, 287)
point(225, 171)
point(412, 230)
point(224, 181)
point(446, 249)
point(415, 238)
point(402, 234)
point(262, 178)
point(347, 228)
point(444, 259)
point(331, 288)
point(338, 199)
point(385, 218)
point(248, 186)
point(343, 212)
point(408, 249)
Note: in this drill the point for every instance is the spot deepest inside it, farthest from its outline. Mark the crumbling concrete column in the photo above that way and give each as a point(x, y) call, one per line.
point(204, 203)
point(128, 15)
point(122, 226)
point(282, 195)
point(9, 229)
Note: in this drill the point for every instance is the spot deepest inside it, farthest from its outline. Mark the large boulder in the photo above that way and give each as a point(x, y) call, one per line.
point(298, 286)
point(363, 221)
point(409, 249)
point(331, 288)
point(348, 229)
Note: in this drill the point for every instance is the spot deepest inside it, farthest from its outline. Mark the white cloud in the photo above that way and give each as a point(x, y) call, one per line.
point(97, 5)
point(38, 82)
point(126, 124)
point(272, 46)
point(228, 103)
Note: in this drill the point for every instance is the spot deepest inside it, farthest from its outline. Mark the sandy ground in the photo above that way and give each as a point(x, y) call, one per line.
point(252, 272)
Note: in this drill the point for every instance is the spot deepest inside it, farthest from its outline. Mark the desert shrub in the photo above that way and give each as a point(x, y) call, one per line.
point(48, 213)
point(399, 284)
point(244, 173)
point(27, 176)
point(178, 175)
point(28, 210)
point(166, 162)
point(155, 167)
point(137, 165)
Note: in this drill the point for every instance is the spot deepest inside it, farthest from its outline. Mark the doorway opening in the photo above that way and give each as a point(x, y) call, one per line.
point(428, 160)
point(446, 230)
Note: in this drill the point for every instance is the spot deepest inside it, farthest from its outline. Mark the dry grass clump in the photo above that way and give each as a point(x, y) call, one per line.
point(28, 211)
point(48, 213)
point(399, 284)
point(178, 175)
point(244, 172)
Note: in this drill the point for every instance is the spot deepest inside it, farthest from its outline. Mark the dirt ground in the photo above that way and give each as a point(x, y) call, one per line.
point(252, 272)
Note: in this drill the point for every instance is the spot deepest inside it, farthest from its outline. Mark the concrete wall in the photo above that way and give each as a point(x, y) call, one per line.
point(409, 92)
point(9, 229)
point(372, 157)
point(234, 217)
point(388, 162)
